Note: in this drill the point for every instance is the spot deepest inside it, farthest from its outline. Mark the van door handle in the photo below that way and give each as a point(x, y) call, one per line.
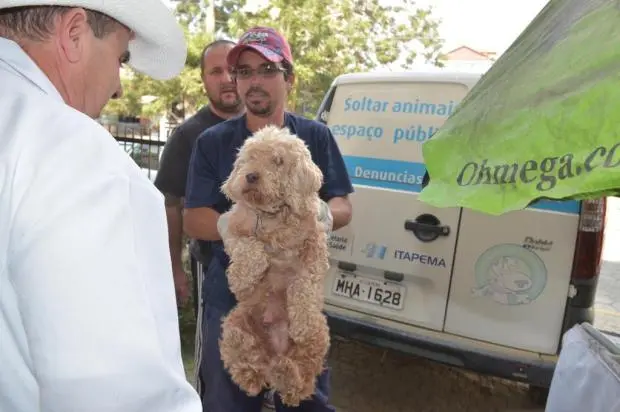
point(427, 228)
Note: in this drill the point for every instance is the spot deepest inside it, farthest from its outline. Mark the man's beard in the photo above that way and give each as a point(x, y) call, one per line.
point(264, 111)
point(233, 107)
point(258, 110)
point(225, 107)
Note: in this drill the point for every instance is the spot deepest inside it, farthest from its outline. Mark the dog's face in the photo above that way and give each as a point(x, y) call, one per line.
point(273, 168)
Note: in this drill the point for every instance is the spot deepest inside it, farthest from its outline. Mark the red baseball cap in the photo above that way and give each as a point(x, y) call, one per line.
point(266, 41)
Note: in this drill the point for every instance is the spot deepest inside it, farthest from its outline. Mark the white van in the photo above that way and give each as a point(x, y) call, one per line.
point(490, 294)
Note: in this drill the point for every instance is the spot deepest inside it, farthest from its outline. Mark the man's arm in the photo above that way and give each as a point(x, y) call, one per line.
point(201, 223)
point(203, 192)
point(174, 217)
point(92, 275)
point(336, 182)
point(170, 180)
point(341, 210)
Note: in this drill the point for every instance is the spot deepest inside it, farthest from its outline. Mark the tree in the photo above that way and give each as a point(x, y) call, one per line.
point(143, 96)
point(331, 37)
point(327, 38)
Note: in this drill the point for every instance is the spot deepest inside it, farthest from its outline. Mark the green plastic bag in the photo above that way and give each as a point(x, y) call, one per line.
point(543, 122)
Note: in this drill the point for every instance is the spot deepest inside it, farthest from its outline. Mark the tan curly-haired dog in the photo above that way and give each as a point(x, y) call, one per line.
point(277, 335)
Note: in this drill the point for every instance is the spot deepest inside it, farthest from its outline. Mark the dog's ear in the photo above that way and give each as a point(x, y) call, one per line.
point(299, 204)
point(306, 175)
point(226, 187)
point(311, 177)
point(306, 180)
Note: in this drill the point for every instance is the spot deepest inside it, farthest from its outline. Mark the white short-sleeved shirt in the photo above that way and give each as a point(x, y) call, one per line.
point(88, 317)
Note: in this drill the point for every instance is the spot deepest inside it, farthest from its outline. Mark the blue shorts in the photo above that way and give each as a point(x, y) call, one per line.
point(221, 394)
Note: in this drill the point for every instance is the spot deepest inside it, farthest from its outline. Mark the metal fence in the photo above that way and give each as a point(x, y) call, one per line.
point(144, 145)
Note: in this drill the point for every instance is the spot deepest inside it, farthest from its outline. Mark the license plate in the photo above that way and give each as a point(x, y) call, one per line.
point(386, 294)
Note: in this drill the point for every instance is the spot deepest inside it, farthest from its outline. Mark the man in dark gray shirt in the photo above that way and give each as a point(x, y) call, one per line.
point(224, 103)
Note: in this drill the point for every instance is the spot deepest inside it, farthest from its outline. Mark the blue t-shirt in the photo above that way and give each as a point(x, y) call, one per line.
point(212, 162)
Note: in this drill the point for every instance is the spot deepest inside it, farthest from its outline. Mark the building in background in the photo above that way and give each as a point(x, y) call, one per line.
point(466, 58)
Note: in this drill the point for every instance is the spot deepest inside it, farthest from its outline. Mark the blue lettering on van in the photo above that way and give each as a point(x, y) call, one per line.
point(384, 173)
point(420, 107)
point(414, 133)
point(351, 131)
point(417, 106)
point(420, 258)
point(365, 104)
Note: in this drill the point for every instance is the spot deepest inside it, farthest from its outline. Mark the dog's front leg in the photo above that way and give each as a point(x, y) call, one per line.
point(304, 307)
point(314, 256)
point(305, 297)
point(248, 264)
point(236, 224)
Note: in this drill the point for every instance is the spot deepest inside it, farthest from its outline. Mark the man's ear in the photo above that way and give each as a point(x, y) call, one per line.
point(290, 82)
point(73, 31)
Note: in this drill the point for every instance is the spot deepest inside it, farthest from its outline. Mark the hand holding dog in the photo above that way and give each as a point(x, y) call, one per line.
point(325, 217)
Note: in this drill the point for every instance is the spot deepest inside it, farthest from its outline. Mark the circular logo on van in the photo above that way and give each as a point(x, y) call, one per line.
point(510, 275)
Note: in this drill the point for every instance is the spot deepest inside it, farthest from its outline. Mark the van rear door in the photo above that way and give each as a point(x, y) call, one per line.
point(395, 259)
point(512, 275)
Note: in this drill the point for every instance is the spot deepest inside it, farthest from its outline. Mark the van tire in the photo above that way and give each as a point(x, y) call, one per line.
point(538, 395)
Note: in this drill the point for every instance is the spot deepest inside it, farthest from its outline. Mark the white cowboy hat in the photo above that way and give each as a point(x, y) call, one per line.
point(158, 49)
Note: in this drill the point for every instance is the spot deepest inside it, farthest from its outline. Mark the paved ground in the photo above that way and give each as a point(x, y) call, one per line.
point(367, 379)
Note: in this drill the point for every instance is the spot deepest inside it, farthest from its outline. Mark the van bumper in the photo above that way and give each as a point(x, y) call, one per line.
point(536, 372)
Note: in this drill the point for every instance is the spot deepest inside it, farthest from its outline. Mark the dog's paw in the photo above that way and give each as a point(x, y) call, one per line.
point(239, 281)
point(286, 378)
point(242, 356)
point(251, 255)
point(250, 380)
point(293, 396)
point(305, 322)
point(290, 399)
point(304, 365)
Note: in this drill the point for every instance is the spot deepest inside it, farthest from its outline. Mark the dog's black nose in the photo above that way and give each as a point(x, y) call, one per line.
point(252, 177)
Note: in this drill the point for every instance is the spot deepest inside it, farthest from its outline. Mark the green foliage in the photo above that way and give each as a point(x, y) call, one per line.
point(327, 37)
point(185, 89)
point(331, 37)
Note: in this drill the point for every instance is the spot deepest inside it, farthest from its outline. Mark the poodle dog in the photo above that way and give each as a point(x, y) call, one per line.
point(277, 336)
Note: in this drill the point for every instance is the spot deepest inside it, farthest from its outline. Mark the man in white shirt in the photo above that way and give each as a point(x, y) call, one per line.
point(88, 318)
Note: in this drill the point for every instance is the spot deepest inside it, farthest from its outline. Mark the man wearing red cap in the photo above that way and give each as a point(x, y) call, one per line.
point(262, 66)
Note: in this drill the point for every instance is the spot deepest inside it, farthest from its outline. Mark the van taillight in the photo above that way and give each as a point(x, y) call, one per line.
point(589, 247)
